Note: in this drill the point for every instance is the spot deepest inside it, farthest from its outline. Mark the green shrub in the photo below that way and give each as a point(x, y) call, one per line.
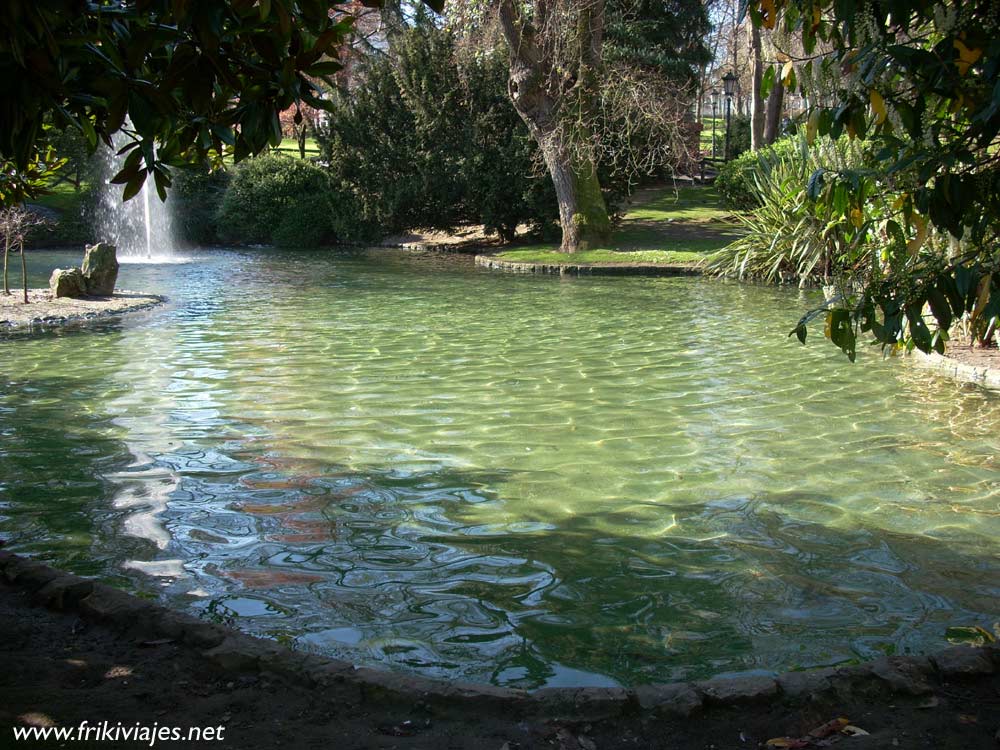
point(788, 236)
point(196, 195)
point(739, 135)
point(735, 181)
point(431, 141)
point(277, 199)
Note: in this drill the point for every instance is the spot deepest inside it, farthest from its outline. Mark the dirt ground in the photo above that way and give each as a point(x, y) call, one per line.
point(976, 357)
point(58, 670)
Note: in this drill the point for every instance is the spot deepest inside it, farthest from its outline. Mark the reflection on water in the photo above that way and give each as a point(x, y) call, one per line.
point(523, 480)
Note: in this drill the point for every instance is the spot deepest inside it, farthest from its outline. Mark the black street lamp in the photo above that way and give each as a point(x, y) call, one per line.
point(729, 87)
point(715, 102)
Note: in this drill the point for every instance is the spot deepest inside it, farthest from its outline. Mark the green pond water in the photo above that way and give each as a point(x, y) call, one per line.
point(527, 481)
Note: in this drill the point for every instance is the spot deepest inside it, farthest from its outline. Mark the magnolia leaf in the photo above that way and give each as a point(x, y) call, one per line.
point(769, 14)
point(975, 635)
point(812, 126)
point(878, 106)
point(914, 245)
point(767, 82)
point(966, 57)
point(788, 74)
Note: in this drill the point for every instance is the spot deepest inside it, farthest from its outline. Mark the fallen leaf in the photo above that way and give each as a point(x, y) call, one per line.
point(158, 642)
point(831, 727)
point(931, 702)
point(787, 743)
point(852, 731)
point(968, 719)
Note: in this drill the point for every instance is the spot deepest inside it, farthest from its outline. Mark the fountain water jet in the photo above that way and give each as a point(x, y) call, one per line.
point(141, 228)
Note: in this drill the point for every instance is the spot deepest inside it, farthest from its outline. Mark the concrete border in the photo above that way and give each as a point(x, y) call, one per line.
point(605, 269)
point(238, 652)
point(961, 371)
point(38, 325)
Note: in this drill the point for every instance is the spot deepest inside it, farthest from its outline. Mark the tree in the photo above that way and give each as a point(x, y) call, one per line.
point(555, 58)
point(920, 80)
point(429, 139)
point(183, 78)
point(15, 224)
point(665, 36)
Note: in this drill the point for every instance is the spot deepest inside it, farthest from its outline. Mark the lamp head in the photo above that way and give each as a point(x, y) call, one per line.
point(729, 83)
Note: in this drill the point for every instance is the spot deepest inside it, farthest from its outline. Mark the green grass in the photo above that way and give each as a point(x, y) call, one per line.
point(705, 143)
point(542, 254)
point(667, 226)
point(70, 228)
point(290, 146)
point(64, 198)
point(682, 204)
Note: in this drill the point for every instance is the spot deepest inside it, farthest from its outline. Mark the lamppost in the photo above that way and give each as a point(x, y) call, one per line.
point(729, 87)
point(715, 102)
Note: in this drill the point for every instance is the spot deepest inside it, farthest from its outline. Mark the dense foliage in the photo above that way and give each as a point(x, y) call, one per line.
point(431, 140)
point(921, 81)
point(277, 199)
point(667, 36)
point(787, 236)
point(737, 179)
point(197, 195)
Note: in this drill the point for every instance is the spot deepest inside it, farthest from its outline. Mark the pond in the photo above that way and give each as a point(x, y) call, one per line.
point(521, 480)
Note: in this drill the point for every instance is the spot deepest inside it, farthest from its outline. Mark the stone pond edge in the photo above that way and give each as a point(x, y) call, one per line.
point(960, 371)
point(232, 651)
point(637, 269)
point(49, 321)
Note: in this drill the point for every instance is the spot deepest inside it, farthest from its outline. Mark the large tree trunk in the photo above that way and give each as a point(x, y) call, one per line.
point(583, 213)
point(775, 107)
point(756, 102)
point(544, 91)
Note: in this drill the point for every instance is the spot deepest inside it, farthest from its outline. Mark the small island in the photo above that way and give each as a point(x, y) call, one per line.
point(75, 295)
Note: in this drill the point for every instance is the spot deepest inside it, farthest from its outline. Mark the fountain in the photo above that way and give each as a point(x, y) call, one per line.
point(140, 228)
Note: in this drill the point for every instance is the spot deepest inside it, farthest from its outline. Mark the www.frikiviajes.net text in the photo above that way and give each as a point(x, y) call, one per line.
point(106, 731)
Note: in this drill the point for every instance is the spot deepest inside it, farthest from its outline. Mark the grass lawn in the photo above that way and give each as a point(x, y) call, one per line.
point(290, 146)
point(70, 228)
point(588, 257)
point(64, 198)
point(705, 143)
point(664, 225)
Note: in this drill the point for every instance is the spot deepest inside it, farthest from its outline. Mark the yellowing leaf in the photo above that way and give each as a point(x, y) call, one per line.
point(787, 72)
point(817, 16)
point(857, 217)
point(898, 203)
point(769, 13)
point(878, 106)
point(982, 298)
point(966, 56)
point(812, 126)
point(913, 245)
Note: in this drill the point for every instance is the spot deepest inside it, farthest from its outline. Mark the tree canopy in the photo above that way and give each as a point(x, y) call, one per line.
point(919, 80)
point(183, 78)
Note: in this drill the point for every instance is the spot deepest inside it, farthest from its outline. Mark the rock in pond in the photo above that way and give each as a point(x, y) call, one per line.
point(67, 282)
point(100, 269)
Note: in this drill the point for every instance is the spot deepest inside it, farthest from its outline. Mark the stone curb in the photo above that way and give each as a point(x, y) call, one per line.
point(961, 371)
point(46, 323)
point(452, 248)
point(651, 269)
point(237, 652)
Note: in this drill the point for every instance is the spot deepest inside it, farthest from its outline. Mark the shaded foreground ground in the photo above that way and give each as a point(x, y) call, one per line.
point(59, 669)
